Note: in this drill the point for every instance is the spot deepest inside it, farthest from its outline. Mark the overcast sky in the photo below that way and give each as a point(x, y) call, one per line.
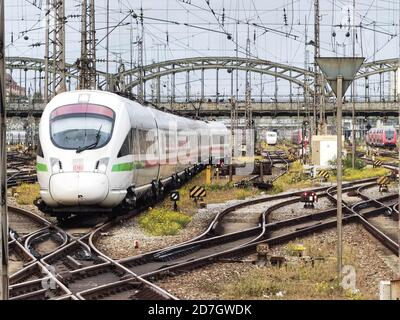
point(279, 35)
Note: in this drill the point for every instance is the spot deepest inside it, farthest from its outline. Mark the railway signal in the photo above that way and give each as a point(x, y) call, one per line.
point(174, 196)
point(309, 198)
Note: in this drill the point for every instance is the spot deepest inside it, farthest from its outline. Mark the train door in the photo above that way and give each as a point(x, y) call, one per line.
point(148, 164)
point(155, 149)
point(124, 169)
point(135, 154)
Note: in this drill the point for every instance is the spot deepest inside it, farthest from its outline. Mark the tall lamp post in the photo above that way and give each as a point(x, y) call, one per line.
point(339, 72)
point(3, 170)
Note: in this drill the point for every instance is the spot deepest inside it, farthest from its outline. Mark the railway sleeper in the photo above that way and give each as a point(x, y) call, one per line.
point(134, 290)
point(171, 255)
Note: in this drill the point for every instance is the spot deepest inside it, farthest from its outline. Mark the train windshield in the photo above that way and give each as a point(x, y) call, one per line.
point(81, 126)
point(389, 134)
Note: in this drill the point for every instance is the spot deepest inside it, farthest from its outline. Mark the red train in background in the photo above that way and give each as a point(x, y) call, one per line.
point(296, 137)
point(383, 137)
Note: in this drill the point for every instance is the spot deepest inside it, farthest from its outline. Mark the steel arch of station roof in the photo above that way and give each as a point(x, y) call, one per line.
point(38, 64)
point(293, 74)
point(152, 71)
point(376, 67)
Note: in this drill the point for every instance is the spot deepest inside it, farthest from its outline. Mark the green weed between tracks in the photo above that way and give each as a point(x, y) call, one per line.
point(25, 194)
point(297, 279)
point(293, 179)
point(163, 222)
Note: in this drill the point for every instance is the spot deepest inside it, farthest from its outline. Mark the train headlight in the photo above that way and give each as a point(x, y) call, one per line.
point(55, 165)
point(101, 165)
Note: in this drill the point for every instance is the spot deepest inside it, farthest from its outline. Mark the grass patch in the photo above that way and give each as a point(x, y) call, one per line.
point(358, 163)
point(367, 172)
point(387, 159)
point(217, 192)
point(294, 179)
point(284, 146)
point(360, 171)
point(27, 193)
point(296, 280)
point(162, 222)
point(350, 174)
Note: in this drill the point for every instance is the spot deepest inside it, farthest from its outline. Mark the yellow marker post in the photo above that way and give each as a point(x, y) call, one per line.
point(208, 175)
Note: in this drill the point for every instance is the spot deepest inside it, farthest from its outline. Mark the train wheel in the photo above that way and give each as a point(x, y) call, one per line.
point(161, 188)
point(157, 190)
point(61, 219)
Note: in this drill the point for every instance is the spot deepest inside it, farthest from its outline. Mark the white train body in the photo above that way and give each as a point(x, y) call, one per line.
point(96, 148)
point(271, 137)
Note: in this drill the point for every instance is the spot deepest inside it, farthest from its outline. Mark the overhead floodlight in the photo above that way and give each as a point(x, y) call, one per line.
point(333, 67)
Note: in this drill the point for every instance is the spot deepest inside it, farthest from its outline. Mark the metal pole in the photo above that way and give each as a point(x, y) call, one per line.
point(84, 58)
point(237, 69)
point(353, 144)
point(217, 87)
point(47, 54)
point(3, 163)
point(318, 107)
point(398, 233)
point(339, 174)
point(92, 46)
point(233, 101)
point(202, 86)
point(108, 47)
point(302, 142)
point(353, 111)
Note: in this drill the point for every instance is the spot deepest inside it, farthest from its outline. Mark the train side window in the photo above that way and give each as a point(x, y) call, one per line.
point(135, 141)
point(126, 147)
point(143, 143)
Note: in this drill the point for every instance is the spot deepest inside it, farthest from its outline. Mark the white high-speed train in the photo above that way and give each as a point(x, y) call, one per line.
point(98, 150)
point(271, 137)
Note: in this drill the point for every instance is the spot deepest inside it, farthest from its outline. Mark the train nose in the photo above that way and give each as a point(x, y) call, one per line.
point(79, 188)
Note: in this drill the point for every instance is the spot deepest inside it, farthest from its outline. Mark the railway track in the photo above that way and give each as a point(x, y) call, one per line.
point(273, 161)
point(42, 256)
point(20, 169)
point(76, 269)
point(211, 246)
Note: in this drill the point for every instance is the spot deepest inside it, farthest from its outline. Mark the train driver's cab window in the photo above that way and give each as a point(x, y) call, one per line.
point(389, 134)
point(81, 126)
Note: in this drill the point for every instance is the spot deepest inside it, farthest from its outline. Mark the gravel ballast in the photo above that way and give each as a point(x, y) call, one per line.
point(373, 264)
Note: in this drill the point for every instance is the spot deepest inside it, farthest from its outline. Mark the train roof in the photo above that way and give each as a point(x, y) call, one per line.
point(382, 128)
point(74, 96)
